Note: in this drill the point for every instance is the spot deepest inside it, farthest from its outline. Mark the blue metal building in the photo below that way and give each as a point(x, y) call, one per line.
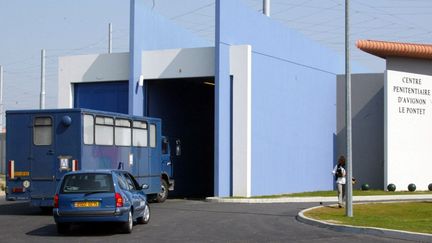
point(256, 110)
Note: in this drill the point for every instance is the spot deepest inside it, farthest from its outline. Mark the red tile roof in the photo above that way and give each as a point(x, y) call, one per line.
point(386, 49)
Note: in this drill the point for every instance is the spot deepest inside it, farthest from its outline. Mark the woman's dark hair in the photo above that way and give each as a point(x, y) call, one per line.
point(341, 159)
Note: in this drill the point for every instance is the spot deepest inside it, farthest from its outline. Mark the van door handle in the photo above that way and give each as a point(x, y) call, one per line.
point(50, 152)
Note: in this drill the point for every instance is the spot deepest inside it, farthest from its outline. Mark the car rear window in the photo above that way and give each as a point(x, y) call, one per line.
point(88, 182)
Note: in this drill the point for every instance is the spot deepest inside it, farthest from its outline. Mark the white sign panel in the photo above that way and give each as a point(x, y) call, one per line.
point(408, 130)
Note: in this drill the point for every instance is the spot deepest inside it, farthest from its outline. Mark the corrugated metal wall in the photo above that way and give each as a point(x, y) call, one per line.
point(104, 96)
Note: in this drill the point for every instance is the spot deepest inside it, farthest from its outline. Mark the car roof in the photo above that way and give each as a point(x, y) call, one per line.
point(99, 171)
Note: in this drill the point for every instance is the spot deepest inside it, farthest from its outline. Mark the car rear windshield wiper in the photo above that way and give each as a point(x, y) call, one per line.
point(93, 192)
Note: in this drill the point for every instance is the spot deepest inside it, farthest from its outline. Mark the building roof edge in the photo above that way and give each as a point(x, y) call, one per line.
point(385, 49)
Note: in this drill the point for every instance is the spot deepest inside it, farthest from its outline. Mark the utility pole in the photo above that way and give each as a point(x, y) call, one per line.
point(109, 38)
point(266, 8)
point(42, 91)
point(348, 184)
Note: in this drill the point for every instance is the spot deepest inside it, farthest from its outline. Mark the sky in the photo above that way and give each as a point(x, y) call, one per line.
point(78, 27)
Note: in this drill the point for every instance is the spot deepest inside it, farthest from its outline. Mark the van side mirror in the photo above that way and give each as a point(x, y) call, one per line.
point(178, 147)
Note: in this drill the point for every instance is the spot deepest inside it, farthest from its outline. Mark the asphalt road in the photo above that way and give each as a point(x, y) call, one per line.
point(181, 221)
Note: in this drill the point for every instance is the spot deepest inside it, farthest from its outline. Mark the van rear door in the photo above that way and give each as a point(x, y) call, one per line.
point(42, 160)
point(43, 147)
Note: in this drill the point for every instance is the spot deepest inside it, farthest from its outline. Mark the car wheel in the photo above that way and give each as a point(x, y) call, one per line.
point(163, 194)
point(145, 218)
point(128, 225)
point(63, 228)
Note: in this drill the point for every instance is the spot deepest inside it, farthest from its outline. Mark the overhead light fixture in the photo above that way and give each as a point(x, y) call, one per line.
point(208, 83)
point(141, 80)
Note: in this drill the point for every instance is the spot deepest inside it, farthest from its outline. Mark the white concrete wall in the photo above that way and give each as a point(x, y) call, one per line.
point(241, 70)
point(89, 68)
point(408, 123)
point(178, 63)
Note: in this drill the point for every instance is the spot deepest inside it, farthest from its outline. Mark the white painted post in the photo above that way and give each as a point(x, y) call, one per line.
point(348, 184)
point(109, 38)
point(266, 8)
point(42, 91)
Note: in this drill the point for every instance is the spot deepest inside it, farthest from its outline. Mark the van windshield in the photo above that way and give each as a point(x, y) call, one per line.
point(87, 183)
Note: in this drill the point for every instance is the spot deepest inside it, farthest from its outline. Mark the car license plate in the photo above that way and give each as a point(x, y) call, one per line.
point(88, 204)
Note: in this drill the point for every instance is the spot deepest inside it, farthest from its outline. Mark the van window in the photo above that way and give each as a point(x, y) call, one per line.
point(42, 131)
point(88, 129)
point(122, 132)
point(139, 134)
point(104, 130)
point(153, 135)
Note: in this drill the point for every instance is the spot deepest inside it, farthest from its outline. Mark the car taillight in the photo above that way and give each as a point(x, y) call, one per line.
point(118, 200)
point(56, 200)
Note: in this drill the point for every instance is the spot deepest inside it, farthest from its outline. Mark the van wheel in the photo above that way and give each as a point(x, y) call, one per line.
point(63, 228)
point(128, 225)
point(163, 194)
point(46, 210)
point(145, 218)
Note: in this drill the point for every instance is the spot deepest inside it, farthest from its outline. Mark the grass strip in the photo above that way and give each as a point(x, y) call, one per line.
point(407, 216)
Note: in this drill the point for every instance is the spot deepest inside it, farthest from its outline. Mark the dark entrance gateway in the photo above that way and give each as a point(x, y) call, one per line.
point(187, 108)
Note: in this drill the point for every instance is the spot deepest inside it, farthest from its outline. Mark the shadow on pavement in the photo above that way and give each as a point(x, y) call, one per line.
point(21, 208)
point(99, 229)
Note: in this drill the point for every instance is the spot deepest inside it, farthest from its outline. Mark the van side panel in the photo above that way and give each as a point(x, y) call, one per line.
point(68, 140)
point(155, 157)
point(142, 163)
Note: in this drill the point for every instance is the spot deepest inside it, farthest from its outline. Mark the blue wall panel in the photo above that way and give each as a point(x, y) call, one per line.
point(223, 117)
point(293, 122)
point(136, 40)
point(151, 31)
point(293, 100)
point(104, 96)
point(222, 123)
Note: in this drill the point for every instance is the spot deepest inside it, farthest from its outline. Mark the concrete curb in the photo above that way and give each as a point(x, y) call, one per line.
point(319, 199)
point(388, 233)
point(271, 200)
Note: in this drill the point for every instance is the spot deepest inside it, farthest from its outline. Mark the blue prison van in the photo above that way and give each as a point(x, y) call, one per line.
point(42, 145)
